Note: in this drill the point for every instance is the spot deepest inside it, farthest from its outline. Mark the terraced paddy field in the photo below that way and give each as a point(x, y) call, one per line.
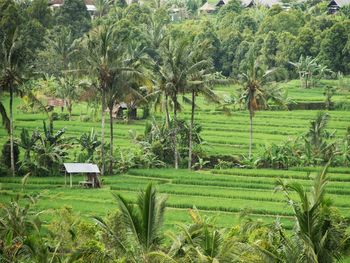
point(220, 193)
point(223, 134)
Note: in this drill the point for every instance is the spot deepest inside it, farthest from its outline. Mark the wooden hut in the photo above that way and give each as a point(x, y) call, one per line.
point(91, 170)
point(119, 108)
point(55, 102)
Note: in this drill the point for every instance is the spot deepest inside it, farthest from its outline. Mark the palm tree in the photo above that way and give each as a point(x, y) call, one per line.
point(173, 79)
point(99, 44)
point(63, 47)
point(4, 117)
point(179, 68)
point(127, 76)
point(117, 68)
point(142, 223)
point(257, 90)
point(316, 144)
point(68, 91)
point(320, 232)
point(201, 80)
point(102, 7)
point(201, 241)
point(10, 78)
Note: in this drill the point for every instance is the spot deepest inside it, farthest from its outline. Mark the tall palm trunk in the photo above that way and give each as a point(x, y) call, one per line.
point(251, 133)
point(176, 161)
point(103, 133)
point(191, 131)
point(11, 132)
point(167, 117)
point(111, 140)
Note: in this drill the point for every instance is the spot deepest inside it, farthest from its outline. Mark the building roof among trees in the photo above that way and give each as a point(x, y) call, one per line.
point(207, 7)
point(54, 102)
point(60, 2)
point(267, 3)
point(90, 5)
point(339, 3)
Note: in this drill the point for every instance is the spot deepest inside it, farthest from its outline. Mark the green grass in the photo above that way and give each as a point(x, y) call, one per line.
point(223, 134)
point(223, 193)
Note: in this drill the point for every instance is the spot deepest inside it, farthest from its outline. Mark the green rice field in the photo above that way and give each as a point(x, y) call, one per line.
point(223, 134)
point(220, 193)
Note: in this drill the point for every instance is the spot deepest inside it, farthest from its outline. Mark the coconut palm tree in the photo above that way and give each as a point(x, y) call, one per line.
point(68, 91)
point(10, 79)
point(4, 117)
point(102, 7)
point(63, 47)
point(320, 233)
point(257, 90)
point(142, 223)
point(117, 67)
point(99, 44)
point(127, 76)
point(180, 66)
point(202, 241)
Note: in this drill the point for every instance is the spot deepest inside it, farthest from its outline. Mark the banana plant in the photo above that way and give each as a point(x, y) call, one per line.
point(28, 142)
point(89, 142)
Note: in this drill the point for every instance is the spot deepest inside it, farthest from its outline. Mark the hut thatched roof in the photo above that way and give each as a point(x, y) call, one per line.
point(55, 102)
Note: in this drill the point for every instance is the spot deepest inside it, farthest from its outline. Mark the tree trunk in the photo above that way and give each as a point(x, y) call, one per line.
point(167, 117)
point(103, 134)
point(111, 140)
point(69, 108)
point(191, 131)
point(11, 132)
point(301, 80)
point(306, 81)
point(176, 161)
point(251, 133)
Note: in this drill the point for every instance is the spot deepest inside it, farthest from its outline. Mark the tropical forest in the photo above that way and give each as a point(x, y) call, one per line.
point(174, 131)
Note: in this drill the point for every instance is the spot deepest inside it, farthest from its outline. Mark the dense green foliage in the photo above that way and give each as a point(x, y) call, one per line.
point(135, 232)
point(172, 86)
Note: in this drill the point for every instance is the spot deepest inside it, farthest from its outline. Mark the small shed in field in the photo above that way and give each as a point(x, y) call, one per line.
point(119, 108)
point(91, 170)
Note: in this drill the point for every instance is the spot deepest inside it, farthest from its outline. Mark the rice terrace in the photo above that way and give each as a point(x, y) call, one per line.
point(174, 131)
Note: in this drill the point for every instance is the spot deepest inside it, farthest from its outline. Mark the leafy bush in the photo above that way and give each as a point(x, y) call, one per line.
point(158, 139)
point(48, 151)
point(222, 164)
point(316, 147)
point(60, 116)
point(141, 157)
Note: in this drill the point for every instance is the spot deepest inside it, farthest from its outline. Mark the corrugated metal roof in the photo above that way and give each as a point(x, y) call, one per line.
point(81, 168)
